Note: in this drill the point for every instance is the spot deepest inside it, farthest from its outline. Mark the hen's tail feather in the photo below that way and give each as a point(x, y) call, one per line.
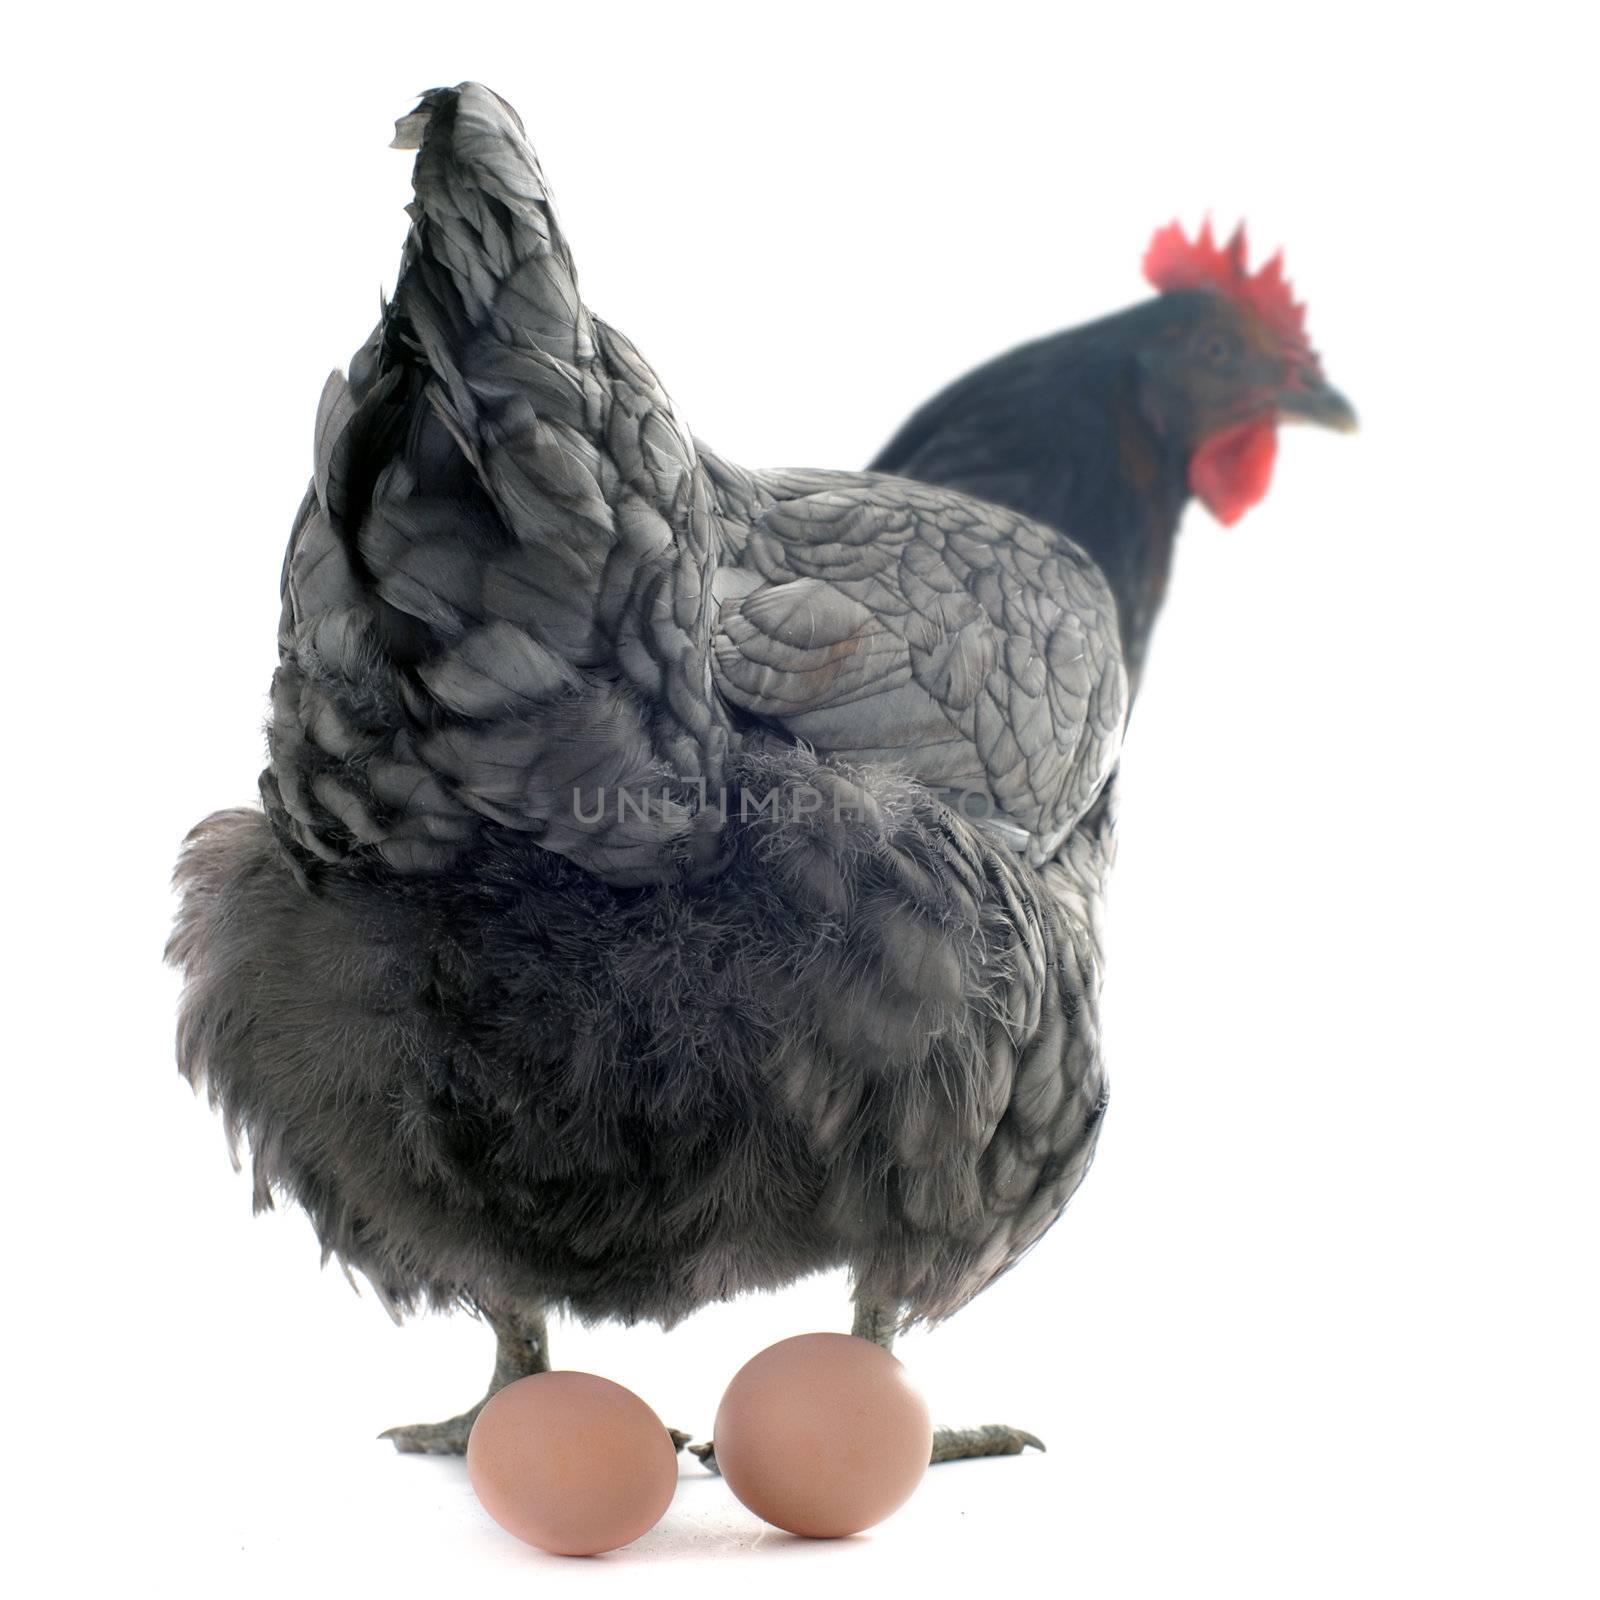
point(497, 599)
point(533, 384)
point(572, 435)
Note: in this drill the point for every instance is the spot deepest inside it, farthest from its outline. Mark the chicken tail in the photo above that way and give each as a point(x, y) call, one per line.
point(565, 423)
point(498, 596)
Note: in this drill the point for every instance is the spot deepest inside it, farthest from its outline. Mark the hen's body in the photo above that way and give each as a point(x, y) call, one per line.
point(514, 1039)
point(550, 1092)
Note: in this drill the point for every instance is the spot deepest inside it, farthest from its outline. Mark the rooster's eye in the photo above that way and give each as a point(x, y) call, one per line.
point(1216, 348)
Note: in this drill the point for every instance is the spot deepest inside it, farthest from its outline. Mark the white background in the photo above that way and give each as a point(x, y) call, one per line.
point(1322, 1320)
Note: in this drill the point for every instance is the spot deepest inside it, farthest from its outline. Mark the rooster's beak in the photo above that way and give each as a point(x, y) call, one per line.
point(1311, 398)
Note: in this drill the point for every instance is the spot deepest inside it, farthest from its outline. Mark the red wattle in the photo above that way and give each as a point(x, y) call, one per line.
point(1231, 471)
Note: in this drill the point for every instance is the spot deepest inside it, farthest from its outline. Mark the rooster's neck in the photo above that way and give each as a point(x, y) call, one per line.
point(1123, 488)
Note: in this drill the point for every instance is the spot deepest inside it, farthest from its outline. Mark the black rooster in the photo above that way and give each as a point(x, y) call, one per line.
point(1106, 430)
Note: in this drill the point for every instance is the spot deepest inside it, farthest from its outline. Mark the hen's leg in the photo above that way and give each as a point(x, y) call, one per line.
point(876, 1321)
point(521, 1349)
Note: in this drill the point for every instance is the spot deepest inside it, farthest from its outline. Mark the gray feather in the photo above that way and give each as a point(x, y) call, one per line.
point(507, 1040)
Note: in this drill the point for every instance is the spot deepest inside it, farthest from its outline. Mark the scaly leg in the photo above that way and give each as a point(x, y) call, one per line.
point(521, 1349)
point(877, 1322)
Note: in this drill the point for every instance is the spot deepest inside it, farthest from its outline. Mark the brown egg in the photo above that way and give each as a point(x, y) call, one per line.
point(823, 1435)
point(572, 1463)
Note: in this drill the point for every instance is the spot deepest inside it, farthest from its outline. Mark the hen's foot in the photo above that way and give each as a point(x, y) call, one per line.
point(877, 1320)
point(434, 1438)
point(521, 1349)
point(949, 1444)
point(993, 1439)
point(450, 1438)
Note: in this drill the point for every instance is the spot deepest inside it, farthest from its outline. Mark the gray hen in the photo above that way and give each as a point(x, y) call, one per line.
point(672, 880)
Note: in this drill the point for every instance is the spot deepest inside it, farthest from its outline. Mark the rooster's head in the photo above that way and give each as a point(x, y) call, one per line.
point(1228, 364)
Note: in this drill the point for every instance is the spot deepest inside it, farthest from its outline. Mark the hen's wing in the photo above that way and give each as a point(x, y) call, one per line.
point(890, 621)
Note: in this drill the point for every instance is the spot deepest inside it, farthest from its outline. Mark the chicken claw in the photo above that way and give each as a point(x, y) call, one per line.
point(992, 1439)
point(522, 1348)
point(434, 1438)
point(878, 1322)
point(450, 1438)
point(949, 1444)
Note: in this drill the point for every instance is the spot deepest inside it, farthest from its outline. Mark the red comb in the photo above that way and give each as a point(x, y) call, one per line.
point(1174, 262)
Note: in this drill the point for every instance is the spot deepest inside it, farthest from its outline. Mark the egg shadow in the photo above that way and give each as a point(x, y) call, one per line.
point(706, 1521)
